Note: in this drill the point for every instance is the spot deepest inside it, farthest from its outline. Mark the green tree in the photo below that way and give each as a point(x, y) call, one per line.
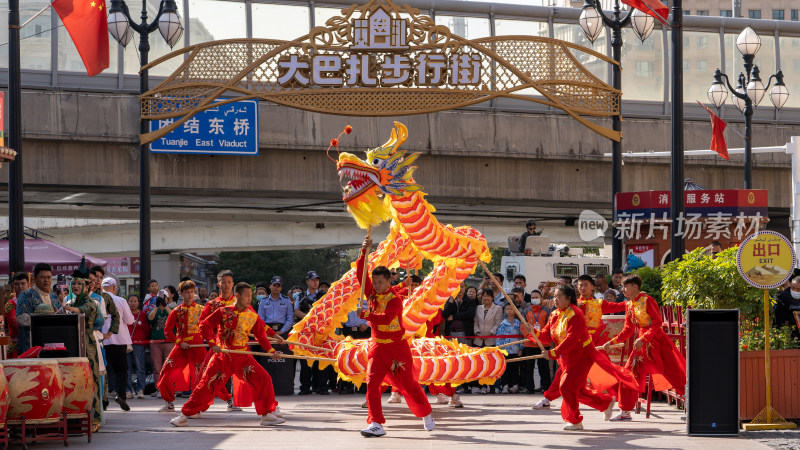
point(700, 281)
point(651, 281)
point(291, 265)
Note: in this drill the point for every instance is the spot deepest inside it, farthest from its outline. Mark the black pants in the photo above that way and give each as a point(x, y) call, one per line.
point(513, 374)
point(544, 369)
point(117, 357)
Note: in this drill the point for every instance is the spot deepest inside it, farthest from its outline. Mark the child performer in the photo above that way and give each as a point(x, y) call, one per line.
point(653, 352)
point(252, 383)
point(566, 328)
point(182, 368)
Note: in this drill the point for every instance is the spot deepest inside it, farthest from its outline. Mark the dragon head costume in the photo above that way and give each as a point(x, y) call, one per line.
point(386, 172)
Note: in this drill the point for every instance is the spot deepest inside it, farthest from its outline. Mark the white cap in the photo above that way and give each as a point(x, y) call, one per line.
point(108, 281)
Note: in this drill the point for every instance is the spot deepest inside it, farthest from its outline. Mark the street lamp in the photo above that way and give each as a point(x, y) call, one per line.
point(591, 20)
point(121, 26)
point(748, 93)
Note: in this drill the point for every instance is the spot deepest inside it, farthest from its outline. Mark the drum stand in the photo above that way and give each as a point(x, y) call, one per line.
point(54, 431)
point(4, 436)
point(81, 425)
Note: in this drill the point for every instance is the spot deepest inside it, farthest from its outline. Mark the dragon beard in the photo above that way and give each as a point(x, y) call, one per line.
point(369, 210)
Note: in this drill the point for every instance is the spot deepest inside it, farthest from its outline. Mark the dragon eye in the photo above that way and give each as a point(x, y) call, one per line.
point(375, 161)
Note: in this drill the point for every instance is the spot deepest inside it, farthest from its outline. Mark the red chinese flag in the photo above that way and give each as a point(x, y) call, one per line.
point(717, 134)
point(650, 7)
point(87, 24)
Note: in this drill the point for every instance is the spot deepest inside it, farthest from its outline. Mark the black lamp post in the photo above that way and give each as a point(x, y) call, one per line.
point(121, 26)
point(16, 231)
point(591, 21)
point(749, 93)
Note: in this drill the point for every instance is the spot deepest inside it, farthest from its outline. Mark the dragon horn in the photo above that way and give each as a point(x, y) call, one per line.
point(402, 134)
point(391, 141)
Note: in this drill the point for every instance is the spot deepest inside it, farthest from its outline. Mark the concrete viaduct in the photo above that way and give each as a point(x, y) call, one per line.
point(488, 166)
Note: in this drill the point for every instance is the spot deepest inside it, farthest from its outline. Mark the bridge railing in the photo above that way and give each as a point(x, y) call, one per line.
point(49, 59)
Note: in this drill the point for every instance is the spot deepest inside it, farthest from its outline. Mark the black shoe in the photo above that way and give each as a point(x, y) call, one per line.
point(105, 404)
point(304, 393)
point(325, 392)
point(122, 403)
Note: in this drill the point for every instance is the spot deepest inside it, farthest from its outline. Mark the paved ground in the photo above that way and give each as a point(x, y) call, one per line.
point(327, 422)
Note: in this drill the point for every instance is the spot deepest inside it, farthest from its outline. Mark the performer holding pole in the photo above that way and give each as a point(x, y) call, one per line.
point(389, 354)
point(566, 328)
point(593, 310)
point(182, 368)
point(653, 352)
point(252, 384)
point(226, 298)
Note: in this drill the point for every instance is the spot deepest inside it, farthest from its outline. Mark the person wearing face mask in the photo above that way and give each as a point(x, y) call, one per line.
point(788, 302)
point(537, 318)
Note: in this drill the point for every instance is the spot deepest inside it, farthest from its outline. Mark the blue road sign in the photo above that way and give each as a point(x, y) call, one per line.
point(230, 129)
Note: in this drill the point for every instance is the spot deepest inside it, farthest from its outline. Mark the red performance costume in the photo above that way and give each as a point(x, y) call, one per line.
point(593, 310)
point(388, 353)
point(251, 383)
point(10, 314)
point(211, 307)
point(576, 354)
point(657, 357)
point(182, 368)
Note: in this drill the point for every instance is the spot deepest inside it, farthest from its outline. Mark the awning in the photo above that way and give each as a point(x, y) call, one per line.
point(61, 259)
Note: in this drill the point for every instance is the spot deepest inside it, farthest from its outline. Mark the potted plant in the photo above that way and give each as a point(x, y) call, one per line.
point(703, 282)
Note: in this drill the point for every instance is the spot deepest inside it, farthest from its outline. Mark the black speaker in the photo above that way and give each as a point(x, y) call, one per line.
point(67, 329)
point(712, 365)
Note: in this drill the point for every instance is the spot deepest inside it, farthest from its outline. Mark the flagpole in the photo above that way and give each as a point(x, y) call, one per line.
point(16, 231)
point(36, 15)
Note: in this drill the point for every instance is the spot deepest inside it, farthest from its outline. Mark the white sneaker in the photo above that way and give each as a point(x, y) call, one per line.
point(428, 423)
point(271, 419)
point(574, 426)
point(609, 411)
point(541, 404)
point(197, 416)
point(129, 395)
point(505, 389)
point(514, 389)
point(168, 408)
point(278, 412)
point(476, 390)
point(158, 394)
point(180, 421)
point(374, 430)
point(623, 416)
point(484, 390)
point(441, 399)
point(232, 407)
point(365, 405)
point(140, 394)
point(394, 398)
point(455, 402)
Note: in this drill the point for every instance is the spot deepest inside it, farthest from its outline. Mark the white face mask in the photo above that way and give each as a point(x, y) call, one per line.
point(795, 295)
point(536, 301)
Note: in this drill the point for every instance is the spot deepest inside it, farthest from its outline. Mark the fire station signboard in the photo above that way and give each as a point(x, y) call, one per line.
point(766, 259)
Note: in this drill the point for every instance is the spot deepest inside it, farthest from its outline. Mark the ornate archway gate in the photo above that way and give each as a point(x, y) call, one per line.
point(380, 59)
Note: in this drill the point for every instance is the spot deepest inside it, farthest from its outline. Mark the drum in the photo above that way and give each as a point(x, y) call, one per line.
point(36, 390)
point(78, 386)
point(3, 397)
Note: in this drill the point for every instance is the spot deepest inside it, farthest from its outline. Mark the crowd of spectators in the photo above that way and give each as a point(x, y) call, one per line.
point(135, 344)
